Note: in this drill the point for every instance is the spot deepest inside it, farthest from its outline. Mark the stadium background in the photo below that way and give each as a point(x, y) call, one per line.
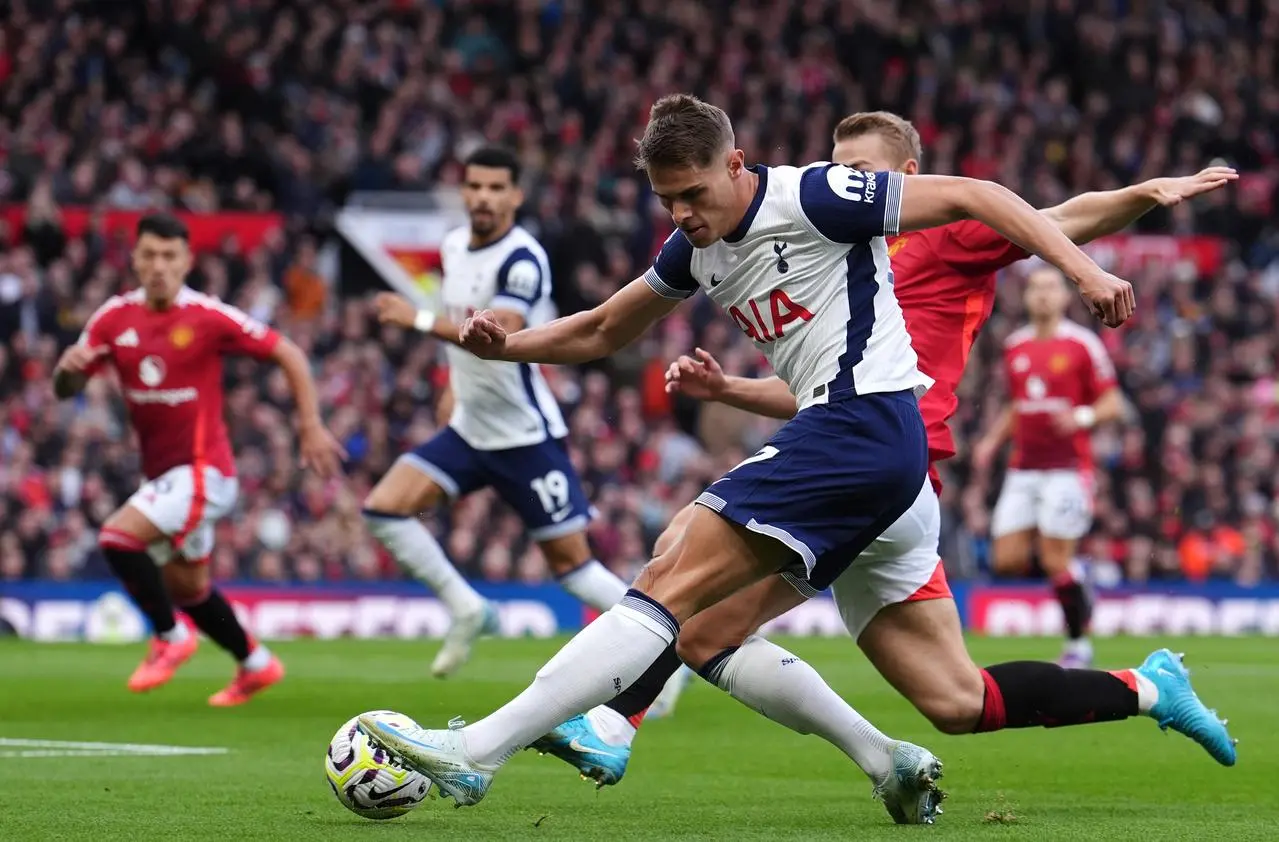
point(316, 147)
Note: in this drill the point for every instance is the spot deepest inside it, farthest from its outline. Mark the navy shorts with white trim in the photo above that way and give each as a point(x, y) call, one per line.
point(830, 480)
point(537, 481)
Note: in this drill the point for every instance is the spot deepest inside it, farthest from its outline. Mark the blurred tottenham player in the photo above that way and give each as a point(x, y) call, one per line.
point(798, 259)
point(505, 431)
point(1061, 385)
point(895, 600)
point(166, 344)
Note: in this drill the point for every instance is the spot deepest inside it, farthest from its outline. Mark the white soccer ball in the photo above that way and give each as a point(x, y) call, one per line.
point(366, 779)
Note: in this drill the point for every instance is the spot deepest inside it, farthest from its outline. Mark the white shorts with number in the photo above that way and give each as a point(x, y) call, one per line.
point(901, 565)
point(185, 507)
point(1057, 503)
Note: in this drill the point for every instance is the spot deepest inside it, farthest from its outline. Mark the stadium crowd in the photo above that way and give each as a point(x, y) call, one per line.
point(257, 105)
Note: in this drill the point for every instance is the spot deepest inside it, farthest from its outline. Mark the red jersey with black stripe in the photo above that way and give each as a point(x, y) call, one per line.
point(170, 367)
point(945, 283)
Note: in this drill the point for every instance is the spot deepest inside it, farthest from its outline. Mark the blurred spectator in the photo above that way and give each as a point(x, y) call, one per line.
point(288, 106)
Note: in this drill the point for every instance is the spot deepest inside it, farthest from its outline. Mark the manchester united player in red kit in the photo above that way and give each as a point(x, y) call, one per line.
point(1061, 384)
point(166, 343)
point(945, 284)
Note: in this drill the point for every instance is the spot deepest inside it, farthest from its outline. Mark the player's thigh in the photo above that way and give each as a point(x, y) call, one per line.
point(174, 513)
point(443, 468)
point(714, 559)
point(1014, 520)
point(566, 553)
point(540, 483)
point(729, 622)
point(673, 530)
point(918, 646)
point(1065, 516)
point(901, 565)
point(130, 521)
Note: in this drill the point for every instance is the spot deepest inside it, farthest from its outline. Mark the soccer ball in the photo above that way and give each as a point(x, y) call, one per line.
point(366, 779)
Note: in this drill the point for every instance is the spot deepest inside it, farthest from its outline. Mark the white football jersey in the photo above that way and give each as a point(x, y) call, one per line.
point(498, 405)
point(806, 276)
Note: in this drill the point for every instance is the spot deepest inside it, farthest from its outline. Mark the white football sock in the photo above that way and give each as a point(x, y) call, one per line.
point(601, 661)
point(1147, 692)
point(610, 726)
point(594, 584)
point(769, 680)
point(178, 634)
point(421, 555)
point(258, 658)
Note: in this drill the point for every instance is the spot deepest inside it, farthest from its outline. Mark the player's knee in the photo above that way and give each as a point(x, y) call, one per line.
point(1010, 555)
point(695, 646)
point(399, 495)
point(565, 554)
point(188, 583)
point(958, 709)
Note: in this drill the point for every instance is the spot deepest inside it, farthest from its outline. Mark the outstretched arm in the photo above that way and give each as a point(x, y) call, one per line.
point(1091, 215)
point(579, 338)
point(931, 200)
point(849, 206)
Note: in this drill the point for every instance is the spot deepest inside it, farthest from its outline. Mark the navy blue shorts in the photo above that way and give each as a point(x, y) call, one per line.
point(829, 481)
point(537, 481)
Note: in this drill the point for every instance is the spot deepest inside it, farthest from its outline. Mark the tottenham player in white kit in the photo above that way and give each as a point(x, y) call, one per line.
point(797, 258)
point(505, 431)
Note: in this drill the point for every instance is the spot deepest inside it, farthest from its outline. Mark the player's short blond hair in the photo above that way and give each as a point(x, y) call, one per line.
point(683, 131)
point(897, 131)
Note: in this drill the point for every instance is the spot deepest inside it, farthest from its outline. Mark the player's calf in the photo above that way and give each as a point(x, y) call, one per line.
point(173, 644)
point(578, 572)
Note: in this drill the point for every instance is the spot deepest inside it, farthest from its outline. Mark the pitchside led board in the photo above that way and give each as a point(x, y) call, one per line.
point(100, 612)
point(403, 244)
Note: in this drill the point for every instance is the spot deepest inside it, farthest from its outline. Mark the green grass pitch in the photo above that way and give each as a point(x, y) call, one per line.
point(714, 771)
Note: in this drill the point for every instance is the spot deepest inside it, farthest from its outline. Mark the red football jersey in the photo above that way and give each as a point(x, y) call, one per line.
point(945, 283)
point(170, 367)
point(1045, 377)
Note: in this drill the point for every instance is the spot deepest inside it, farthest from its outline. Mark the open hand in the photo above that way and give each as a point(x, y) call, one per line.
point(1173, 191)
point(700, 378)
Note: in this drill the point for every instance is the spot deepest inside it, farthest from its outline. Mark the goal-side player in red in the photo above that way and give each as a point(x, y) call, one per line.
point(906, 620)
point(166, 343)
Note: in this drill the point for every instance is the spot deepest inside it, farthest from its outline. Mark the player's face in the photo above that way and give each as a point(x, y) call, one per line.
point(161, 265)
point(1046, 295)
point(491, 198)
point(706, 203)
point(871, 152)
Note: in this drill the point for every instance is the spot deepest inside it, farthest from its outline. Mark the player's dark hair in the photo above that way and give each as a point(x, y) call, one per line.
point(496, 157)
point(897, 131)
point(683, 131)
point(166, 226)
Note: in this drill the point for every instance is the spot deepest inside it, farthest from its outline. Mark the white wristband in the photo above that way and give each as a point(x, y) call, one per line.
point(424, 321)
point(1085, 417)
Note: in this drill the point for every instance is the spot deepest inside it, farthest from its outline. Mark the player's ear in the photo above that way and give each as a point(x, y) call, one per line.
point(736, 162)
point(911, 167)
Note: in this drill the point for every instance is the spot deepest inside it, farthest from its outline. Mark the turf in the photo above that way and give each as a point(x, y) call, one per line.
point(714, 771)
